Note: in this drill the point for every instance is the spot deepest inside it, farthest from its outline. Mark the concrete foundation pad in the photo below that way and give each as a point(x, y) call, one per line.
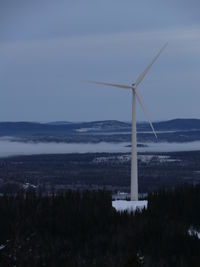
point(131, 206)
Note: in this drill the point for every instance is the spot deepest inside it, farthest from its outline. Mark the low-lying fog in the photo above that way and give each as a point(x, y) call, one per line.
point(170, 147)
point(12, 148)
point(9, 147)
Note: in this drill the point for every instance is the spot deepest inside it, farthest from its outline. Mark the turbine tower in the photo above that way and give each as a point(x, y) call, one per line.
point(135, 95)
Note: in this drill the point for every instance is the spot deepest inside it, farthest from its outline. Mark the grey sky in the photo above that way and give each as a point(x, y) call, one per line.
point(47, 47)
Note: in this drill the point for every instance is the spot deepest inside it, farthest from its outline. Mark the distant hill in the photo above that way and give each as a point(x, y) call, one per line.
point(60, 129)
point(178, 124)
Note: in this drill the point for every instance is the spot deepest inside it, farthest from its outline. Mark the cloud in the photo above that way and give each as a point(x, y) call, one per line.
point(48, 74)
point(48, 47)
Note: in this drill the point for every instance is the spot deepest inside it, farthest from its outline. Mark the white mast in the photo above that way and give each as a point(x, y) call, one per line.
point(134, 166)
point(135, 94)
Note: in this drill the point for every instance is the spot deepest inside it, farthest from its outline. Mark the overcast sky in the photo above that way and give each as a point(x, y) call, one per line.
point(48, 47)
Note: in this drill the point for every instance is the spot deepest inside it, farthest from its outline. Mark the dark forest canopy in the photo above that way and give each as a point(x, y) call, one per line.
point(82, 229)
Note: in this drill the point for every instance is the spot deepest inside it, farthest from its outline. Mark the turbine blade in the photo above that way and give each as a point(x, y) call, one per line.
point(143, 74)
point(145, 112)
point(124, 86)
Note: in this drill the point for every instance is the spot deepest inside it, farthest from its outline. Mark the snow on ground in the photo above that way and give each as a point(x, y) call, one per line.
point(28, 186)
point(194, 232)
point(85, 130)
point(130, 206)
point(122, 158)
point(142, 158)
point(159, 158)
point(2, 247)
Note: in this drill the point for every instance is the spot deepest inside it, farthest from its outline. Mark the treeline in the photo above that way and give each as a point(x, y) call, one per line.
point(81, 229)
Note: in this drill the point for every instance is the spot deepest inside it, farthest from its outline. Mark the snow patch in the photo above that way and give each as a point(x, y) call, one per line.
point(28, 186)
point(194, 232)
point(159, 158)
point(122, 158)
point(127, 158)
point(130, 206)
point(85, 130)
point(2, 247)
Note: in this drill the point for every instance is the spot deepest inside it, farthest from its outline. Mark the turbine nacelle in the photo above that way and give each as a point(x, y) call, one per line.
point(133, 86)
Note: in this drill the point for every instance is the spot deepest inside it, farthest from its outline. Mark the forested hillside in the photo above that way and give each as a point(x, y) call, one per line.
point(28, 129)
point(82, 229)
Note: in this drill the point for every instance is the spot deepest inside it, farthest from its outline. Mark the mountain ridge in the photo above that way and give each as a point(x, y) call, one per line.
point(37, 129)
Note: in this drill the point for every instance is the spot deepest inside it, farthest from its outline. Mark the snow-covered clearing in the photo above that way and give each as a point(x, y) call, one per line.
point(127, 158)
point(122, 158)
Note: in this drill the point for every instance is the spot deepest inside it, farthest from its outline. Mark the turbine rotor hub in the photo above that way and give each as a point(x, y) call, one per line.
point(133, 85)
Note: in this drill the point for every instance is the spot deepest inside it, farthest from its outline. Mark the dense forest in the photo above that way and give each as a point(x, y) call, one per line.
point(82, 229)
point(96, 171)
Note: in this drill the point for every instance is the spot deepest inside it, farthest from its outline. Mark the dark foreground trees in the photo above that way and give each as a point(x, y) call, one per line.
point(82, 229)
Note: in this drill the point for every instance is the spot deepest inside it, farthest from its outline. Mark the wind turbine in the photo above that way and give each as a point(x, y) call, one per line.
point(135, 94)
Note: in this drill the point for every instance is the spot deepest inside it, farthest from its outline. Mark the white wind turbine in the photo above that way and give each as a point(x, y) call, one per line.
point(135, 94)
